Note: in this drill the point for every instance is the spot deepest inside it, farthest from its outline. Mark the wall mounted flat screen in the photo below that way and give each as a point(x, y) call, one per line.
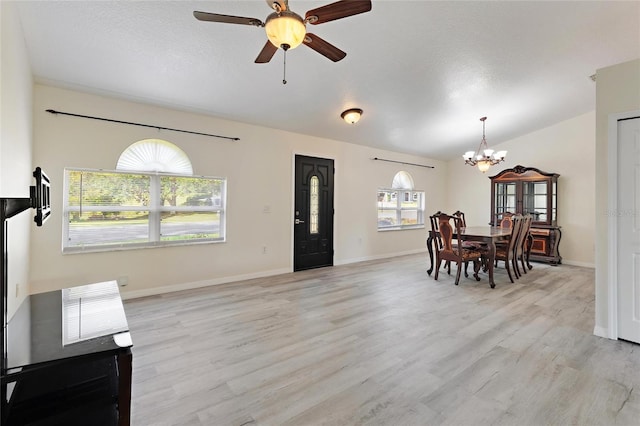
point(41, 196)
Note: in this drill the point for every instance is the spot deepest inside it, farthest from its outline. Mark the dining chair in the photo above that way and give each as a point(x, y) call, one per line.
point(460, 215)
point(434, 221)
point(505, 220)
point(507, 252)
point(471, 244)
point(452, 249)
point(436, 236)
point(521, 245)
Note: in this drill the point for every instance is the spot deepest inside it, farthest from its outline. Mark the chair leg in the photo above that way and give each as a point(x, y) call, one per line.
point(477, 264)
point(466, 265)
point(438, 262)
point(506, 265)
point(459, 269)
point(524, 266)
point(514, 266)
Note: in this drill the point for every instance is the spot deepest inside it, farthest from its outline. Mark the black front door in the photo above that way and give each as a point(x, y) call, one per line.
point(313, 215)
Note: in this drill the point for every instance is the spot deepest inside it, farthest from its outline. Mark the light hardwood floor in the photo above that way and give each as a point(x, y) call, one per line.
point(382, 343)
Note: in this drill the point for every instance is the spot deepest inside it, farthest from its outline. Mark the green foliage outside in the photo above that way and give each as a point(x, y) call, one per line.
point(97, 189)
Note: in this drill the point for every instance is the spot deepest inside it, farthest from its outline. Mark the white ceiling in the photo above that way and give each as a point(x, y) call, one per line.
point(424, 72)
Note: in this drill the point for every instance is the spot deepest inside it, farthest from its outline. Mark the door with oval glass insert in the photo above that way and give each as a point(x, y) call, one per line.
point(313, 214)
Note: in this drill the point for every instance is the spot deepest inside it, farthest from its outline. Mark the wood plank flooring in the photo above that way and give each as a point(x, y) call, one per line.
point(382, 343)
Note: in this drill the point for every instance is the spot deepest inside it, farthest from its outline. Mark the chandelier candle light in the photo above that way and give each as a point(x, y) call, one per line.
point(483, 157)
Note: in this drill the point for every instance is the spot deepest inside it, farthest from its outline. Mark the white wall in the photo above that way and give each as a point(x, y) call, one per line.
point(259, 169)
point(15, 147)
point(618, 90)
point(566, 148)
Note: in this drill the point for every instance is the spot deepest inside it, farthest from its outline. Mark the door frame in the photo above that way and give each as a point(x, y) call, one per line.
point(612, 206)
point(292, 209)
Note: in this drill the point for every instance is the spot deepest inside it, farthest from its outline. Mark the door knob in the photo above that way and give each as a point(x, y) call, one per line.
point(298, 221)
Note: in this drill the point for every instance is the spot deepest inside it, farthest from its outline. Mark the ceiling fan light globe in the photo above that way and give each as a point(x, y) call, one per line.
point(285, 28)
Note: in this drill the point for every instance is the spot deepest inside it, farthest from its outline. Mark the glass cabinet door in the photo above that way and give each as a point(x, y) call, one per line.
point(534, 200)
point(526, 191)
point(505, 194)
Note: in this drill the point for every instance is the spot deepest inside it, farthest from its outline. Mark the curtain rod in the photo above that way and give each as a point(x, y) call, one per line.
point(52, 111)
point(402, 162)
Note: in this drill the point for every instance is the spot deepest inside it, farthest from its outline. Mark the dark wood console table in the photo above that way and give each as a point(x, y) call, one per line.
point(68, 359)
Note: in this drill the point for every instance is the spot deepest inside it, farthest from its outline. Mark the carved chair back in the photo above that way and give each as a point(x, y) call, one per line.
point(460, 215)
point(451, 249)
point(436, 229)
point(524, 231)
point(506, 220)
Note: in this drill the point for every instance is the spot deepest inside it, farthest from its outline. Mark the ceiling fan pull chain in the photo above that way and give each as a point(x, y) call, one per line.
point(284, 71)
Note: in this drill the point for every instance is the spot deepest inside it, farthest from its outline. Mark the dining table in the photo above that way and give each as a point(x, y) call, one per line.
point(486, 234)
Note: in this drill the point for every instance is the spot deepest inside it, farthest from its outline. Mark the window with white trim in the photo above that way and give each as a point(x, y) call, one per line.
point(121, 209)
point(401, 206)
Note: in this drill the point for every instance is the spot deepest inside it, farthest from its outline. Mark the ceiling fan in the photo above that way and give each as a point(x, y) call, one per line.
point(287, 30)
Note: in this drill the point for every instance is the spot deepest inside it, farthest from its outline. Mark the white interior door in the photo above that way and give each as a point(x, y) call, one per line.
point(629, 229)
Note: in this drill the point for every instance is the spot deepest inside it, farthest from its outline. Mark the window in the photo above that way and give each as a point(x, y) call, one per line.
point(400, 208)
point(120, 209)
point(314, 201)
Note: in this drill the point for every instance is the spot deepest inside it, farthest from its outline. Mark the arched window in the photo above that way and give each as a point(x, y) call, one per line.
point(401, 207)
point(152, 199)
point(155, 155)
point(402, 180)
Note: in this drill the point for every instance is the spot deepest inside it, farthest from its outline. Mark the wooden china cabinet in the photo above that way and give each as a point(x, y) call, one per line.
point(527, 190)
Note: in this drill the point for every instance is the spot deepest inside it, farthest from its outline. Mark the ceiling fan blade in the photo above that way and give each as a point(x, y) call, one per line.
point(338, 10)
point(323, 47)
point(266, 53)
point(227, 19)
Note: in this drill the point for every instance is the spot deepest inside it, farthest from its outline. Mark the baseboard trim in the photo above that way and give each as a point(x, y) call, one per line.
point(380, 256)
point(154, 291)
point(581, 264)
point(601, 332)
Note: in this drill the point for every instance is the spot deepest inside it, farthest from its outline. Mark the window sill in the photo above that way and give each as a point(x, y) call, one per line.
point(400, 228)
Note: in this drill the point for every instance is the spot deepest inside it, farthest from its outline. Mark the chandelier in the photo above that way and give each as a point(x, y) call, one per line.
point(483, 157)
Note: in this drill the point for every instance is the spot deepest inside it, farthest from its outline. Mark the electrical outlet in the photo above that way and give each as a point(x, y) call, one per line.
point(264, 249)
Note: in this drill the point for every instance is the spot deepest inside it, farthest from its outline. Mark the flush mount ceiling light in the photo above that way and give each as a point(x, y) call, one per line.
point(483, 157)
point(351, 115)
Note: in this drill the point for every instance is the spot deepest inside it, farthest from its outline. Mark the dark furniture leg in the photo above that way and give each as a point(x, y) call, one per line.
point(430, 249)
point(124, 388)
point(490, 261)
point(526, 255)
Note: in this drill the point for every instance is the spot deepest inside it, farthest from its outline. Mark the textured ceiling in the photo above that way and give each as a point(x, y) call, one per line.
point(424, 72)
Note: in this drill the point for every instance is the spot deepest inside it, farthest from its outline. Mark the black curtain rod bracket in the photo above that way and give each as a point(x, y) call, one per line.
point(403, 162)
point(53, 111)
